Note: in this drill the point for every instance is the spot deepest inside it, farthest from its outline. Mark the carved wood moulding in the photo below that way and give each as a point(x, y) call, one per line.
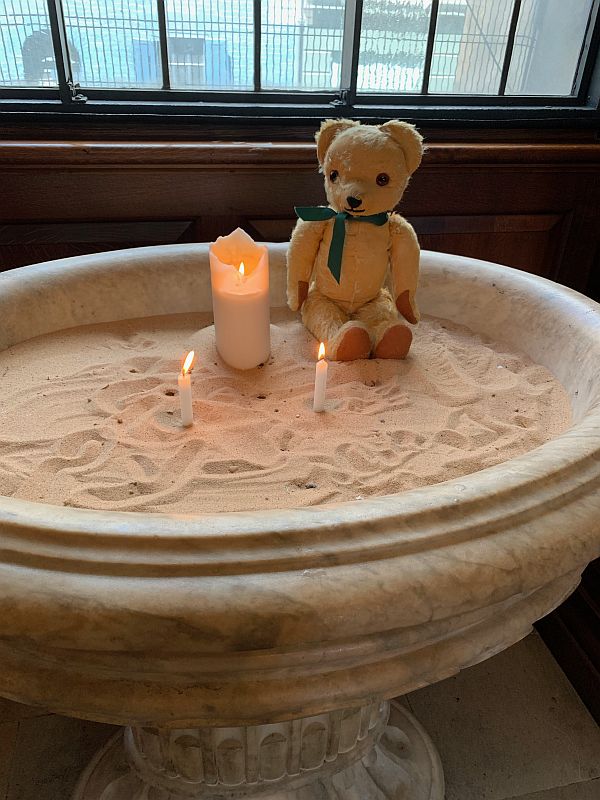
point(265, 155)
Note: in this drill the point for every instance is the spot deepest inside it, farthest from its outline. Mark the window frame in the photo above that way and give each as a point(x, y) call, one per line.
point(264, 106)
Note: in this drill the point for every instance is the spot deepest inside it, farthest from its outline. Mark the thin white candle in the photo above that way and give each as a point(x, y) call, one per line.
point(239, 274)
point(320, 381)
point(185, 391)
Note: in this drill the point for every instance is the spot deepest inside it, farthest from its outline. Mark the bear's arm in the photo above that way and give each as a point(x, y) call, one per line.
point(302, 253)
point(404, 262)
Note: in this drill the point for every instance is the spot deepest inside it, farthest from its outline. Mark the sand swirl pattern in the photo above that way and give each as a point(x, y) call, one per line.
point(89, 418)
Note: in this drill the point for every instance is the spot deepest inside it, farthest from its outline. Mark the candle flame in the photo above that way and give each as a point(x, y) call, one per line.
point(187, 364)
point(242, 269)
point(321, 351)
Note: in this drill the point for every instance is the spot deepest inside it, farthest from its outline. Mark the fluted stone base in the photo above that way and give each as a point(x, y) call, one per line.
point(356, 754)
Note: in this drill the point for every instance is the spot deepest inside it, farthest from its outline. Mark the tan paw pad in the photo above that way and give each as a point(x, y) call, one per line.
point(395, 342)
point(354, 344)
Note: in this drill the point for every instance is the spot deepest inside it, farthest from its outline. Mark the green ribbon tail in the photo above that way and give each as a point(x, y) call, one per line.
point(334, 260)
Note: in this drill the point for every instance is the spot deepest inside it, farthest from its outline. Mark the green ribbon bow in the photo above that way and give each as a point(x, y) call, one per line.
point(318, 213)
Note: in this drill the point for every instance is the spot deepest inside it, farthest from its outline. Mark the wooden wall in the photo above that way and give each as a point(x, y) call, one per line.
point(523, 201)
point(529, 206)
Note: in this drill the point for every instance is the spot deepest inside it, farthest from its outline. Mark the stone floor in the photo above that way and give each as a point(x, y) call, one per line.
point(511, 727)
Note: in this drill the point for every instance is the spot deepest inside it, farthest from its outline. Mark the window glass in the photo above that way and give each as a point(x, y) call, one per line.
point(210, 44)
point(393, 42)
point(115, 43)
point(26, 53)
point(302, 44)
point(548, 43)
point(469, 47)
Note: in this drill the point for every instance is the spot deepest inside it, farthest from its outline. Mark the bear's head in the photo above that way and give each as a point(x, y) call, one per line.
point(367, 167)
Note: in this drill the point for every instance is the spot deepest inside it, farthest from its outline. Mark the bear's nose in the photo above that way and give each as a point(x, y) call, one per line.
point(353, 202)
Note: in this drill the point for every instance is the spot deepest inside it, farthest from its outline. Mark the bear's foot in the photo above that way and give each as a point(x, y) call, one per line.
point(350, 343)
point(395, 342)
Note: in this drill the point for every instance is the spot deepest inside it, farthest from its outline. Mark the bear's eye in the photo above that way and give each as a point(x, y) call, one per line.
point(333, 175)
point(382, 179)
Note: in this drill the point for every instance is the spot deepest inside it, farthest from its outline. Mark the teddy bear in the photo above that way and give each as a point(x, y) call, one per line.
point(340, 255)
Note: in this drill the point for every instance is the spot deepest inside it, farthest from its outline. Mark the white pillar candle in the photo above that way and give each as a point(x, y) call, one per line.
point(240, 297)
point(320, 381)
point(184, 382)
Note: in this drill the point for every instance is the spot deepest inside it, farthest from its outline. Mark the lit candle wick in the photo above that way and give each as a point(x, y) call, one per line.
point(185, 391)
point(187, 364)
point(241, 274)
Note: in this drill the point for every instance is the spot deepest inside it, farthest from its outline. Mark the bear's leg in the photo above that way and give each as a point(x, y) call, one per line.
point(390, 338)
point(346, 339)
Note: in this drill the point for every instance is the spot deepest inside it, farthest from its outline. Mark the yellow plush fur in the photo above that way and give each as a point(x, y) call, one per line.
point(358, 316)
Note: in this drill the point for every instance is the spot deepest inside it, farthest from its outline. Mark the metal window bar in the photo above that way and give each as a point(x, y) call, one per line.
point(435, 7)
point(64, 75)
point(350, 52)
point(585, 65)
point(510, 44)
point(163, 43)
point(525, 42)
point(257, 45)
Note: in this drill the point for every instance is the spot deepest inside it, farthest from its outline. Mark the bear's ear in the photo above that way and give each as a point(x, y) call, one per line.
point(409, 139)
point(327, 133)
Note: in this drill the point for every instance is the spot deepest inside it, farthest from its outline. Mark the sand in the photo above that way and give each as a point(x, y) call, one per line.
point(89, 417)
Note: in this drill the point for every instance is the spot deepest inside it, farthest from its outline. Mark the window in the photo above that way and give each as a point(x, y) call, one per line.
point(240, 57)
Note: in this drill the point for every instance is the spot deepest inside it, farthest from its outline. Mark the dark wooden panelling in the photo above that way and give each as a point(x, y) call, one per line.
point(572, 633)
point(219, 185)
point(209, 226)
point(529, 242)
point(271, 229)
point(30, 243)
point(155, 231)
point(19, 255)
